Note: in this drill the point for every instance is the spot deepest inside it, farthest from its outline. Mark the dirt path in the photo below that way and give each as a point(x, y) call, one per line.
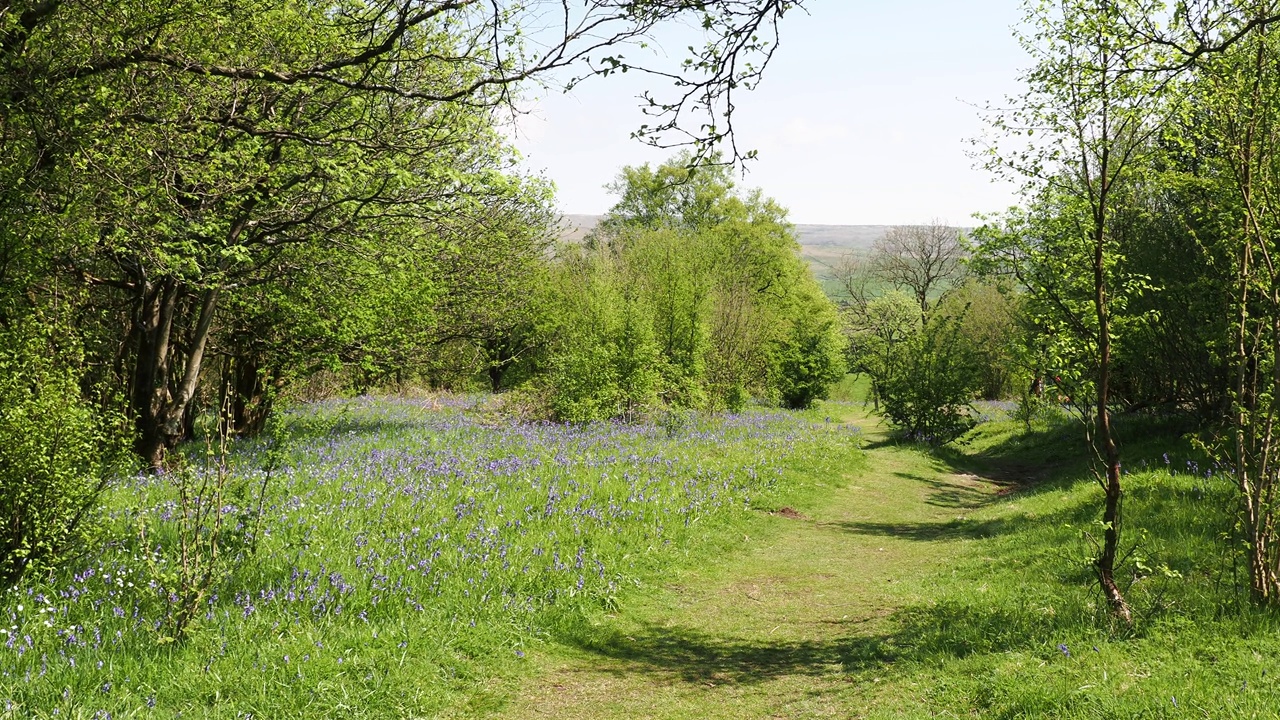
point(784, 629)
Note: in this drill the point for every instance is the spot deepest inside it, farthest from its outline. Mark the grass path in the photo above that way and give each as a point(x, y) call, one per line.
point(785, 627)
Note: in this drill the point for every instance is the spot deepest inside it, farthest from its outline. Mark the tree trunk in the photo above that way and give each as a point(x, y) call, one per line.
point(161, 397)
point(1105, 564)
point(500, 356)
point(246, 395)
point(1253, 415)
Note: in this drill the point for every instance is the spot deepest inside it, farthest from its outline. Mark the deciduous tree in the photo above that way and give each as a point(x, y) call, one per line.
point(924, 260)
point(1085, 122)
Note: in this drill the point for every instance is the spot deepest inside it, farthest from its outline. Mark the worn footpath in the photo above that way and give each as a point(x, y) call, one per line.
point(787, 626)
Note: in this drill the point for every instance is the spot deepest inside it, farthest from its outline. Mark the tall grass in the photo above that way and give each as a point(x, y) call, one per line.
point(410, 552)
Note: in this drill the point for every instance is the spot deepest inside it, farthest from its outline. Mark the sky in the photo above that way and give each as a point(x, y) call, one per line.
point(864, 116)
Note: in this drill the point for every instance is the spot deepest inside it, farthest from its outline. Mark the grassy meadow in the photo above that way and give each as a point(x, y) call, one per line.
point(411, 552)
point(427, 557)
point(950, 583)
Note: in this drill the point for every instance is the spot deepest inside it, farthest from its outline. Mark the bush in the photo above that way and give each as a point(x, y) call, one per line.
point(931, 382)
point(55, 453)
point(811, 357)
point(609, 366)
point(582, 386)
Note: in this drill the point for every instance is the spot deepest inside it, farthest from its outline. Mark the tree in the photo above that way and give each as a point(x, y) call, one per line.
point(1187, 222)
point(809, 358)
point(929, 382)
point(675, 194)
point(855, 279)
point(715, 263)
point(731, 309)
point(1093, 120)
point(490, 274)
point(925, 260)
point(187, 156)
point(987, 318)
point(1239, 93)
point(876, 331)
point(606, 362)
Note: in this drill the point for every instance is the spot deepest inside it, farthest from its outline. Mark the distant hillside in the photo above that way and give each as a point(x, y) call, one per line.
point(819, 244)
point(822, 245)
point(576, 227)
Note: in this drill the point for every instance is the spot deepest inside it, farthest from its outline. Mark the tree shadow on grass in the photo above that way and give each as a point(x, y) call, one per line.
point(884, 442)
point(344, 427)
point(1013, 601)
point(928, 531)
point(950, 494)
point(1041, 458)
point(1076, 515)
point(927, 634)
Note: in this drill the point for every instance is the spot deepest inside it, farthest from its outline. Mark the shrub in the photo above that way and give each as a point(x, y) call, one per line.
point(55, 453)
point(582, 386)
point(609, 366)
point(811, 356)
point(930, 383)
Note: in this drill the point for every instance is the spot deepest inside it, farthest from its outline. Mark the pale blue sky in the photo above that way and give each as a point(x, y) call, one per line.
point(862, 118)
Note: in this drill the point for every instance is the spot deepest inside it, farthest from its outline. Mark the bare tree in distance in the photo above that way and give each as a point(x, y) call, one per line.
point(924, 260)
point(855, 279)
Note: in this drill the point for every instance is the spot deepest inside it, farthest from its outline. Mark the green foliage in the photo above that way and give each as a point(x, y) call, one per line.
point(691, 295)
point(1097, 121)
point(810, 359)
point(876, 331)
point(677, 193)
point(1237, 100)
point(1035, 411)
point(926, 375)
point(56, 452)
point(990, 323)
point(258, 219)
point(607, 362)
point(214, 529)
point(931, 381)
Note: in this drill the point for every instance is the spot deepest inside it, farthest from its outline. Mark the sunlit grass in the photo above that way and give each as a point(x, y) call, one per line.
point(952, 582)
point(411, 551)
point(1018, 629)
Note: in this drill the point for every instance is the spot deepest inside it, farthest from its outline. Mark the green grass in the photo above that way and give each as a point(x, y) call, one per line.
point(852, 389)
point(922, 589)
point(990, 639)
point(411, 555)
point(754, 566)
